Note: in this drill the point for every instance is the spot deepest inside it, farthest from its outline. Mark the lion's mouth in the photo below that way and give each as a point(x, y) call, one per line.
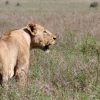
point(45, 48)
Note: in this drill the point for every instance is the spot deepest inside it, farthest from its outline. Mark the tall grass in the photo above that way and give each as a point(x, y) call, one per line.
point(71, 70)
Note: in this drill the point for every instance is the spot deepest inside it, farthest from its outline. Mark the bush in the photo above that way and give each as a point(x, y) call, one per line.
point(90, 46)
point(7, 2)
point(94, 4)
point(18, 4)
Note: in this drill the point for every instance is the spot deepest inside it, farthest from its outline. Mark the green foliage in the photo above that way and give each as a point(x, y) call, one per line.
point(81, 81)
point(87, 46)
point(90, 46)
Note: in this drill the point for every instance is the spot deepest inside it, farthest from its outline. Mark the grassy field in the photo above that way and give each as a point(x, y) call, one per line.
point(71, 70)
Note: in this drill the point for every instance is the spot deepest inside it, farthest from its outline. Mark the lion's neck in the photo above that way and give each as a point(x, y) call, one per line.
point(26, 37)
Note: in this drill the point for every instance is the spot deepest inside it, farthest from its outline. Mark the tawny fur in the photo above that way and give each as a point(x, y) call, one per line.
point(15, 50)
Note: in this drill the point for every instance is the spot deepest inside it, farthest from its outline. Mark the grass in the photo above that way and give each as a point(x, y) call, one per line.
point(71, 70)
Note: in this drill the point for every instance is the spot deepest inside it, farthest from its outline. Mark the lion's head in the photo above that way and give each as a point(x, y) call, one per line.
point(41, 37)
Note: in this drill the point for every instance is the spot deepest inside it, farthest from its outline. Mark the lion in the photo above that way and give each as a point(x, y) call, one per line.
point(15, 49)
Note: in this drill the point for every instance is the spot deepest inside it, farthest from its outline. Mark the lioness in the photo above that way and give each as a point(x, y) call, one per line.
point(15, 50)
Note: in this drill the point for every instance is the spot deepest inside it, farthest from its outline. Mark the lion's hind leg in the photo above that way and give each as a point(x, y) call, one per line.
point(5, 75)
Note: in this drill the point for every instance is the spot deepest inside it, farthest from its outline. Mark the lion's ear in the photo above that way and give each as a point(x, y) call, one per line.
point(31, 27)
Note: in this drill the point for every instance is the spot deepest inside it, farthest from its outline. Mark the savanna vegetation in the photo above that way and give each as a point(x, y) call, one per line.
point(71, 71)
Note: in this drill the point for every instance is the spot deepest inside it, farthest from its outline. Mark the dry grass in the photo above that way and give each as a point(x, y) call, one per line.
point(66, 73)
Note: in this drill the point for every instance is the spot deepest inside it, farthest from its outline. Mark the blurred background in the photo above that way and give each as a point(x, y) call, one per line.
point(71, 70)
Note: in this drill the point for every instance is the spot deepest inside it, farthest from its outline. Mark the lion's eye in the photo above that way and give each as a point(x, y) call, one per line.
point(45, 31)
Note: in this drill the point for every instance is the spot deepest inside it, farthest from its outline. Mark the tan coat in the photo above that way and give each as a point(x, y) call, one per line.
point(15, 50)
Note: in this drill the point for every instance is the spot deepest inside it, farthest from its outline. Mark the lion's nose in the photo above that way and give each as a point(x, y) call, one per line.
point(54, 38)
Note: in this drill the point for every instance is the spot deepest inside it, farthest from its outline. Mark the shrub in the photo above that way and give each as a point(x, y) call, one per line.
point(94, 4)
point(18, 4)
point(90, 46)
point(7, 2)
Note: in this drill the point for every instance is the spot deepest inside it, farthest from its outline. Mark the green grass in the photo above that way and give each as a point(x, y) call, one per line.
point(71, 70)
